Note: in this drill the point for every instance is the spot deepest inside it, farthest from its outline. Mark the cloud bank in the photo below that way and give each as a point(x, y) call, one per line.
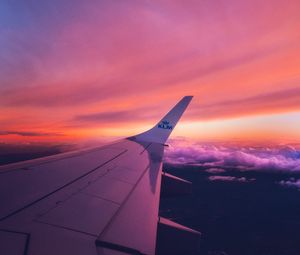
point(242, 157)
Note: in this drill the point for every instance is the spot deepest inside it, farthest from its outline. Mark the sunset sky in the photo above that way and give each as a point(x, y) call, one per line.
point(75, 69)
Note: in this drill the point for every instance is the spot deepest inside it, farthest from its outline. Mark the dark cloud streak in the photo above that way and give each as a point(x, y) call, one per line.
point(28, 133)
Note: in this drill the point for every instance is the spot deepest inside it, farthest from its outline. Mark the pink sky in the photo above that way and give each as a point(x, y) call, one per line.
point(84, 69)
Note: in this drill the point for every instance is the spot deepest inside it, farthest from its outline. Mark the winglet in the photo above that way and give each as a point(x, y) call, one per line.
point(162, 130)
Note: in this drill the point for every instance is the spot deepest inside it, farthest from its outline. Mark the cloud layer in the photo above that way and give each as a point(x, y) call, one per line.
point(238, 156)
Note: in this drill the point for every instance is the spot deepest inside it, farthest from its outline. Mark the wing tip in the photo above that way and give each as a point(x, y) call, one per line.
point(163, 129)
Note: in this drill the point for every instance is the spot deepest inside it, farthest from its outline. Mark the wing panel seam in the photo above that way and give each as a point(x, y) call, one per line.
point(28, 236)
point(124, 202)
point(60, 188)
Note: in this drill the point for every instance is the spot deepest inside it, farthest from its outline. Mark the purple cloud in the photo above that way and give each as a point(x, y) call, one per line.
point(215, 170)
point(292, 182)
point(228, 178)
point(243, 157)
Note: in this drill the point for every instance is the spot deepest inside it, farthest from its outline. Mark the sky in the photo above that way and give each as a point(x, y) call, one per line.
point(75, 70)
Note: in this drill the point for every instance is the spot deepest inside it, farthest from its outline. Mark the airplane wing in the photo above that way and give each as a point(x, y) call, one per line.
point(102, 200)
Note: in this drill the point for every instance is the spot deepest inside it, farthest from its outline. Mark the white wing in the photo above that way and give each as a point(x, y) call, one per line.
point(97, 201)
